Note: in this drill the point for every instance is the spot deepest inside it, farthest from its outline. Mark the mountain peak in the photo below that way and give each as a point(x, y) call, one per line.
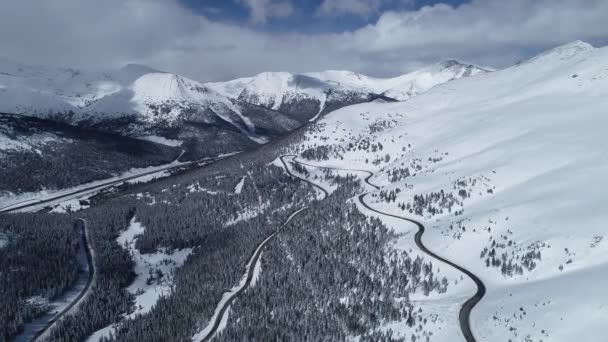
point(453, 63)
point(450, 63)
point(570, 49)
point(578, 44)
point(564, 52)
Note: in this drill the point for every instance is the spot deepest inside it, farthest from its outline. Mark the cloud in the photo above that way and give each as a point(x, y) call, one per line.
point(261, 10)
point(362, 8)
point(165, 35)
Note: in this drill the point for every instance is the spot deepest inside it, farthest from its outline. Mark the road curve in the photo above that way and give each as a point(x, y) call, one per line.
point(464, 316)
point(208, 333)
point(298, 177)
point(91, 263)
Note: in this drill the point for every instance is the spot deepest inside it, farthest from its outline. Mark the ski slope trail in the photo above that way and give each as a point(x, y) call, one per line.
point(464, 316)
point(224, 305)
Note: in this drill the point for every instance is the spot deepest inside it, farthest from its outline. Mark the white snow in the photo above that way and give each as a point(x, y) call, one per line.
point(150, 177)
point(248, 213)
point(103, 332)
point(70, 205)
point(9, 141)
point(150, 95)
point(196, 187)
point(147, 265)
point(161, 140)
point(257, 270)
point(271, 89)
point(534, 134)
point(232, 88)
point(321, 108)
point(239, 187)
point(405, 86)
point(147, 294)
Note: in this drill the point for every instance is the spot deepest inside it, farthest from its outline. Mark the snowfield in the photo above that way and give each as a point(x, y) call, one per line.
point(406, 86)
point(272, 88)
point(523, 152)
point(148, 292)
point(148, 286)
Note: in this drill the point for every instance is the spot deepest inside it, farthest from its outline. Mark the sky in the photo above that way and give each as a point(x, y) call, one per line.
point(211, 40)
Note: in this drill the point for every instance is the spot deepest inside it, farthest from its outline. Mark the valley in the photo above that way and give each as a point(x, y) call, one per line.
point(451, 203)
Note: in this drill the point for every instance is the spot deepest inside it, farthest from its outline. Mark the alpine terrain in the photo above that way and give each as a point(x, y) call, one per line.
point(451, 203)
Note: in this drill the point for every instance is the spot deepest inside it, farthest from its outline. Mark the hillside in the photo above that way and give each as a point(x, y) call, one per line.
point(406, 86)
point(506, 169)
point(307, 96)
point(58, 156)
point(301, 97)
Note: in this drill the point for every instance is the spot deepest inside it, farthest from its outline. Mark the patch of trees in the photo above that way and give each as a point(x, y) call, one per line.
point(71, 156)
point(330, 276)
point(381, 125)
point(107, 298)
point(180, 218)
point(511, 259)
point(38, 261)
point(433, 203)
point(398, 174)
point(323, 152)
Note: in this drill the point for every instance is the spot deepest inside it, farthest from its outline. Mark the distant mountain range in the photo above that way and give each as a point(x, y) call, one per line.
point(203, 119)
point(138, 101)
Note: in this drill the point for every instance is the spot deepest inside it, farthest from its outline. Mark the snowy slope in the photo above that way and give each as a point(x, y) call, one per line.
point(136, 93)
point(405, 86)
point(232, 88)
point(272, 89)
point(301, 97)
point(14, 140)
point(165, 97)
point(68, 88)
point(527, 147)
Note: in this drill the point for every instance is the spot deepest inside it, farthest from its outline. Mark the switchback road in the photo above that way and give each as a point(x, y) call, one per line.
point(464, 316)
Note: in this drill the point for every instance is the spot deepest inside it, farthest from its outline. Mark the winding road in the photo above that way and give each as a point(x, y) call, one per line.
point(301, 178)
point(464, 316)
point(84, 243)
point(229, 297)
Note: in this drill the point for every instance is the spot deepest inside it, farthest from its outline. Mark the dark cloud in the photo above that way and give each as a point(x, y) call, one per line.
point(163, 34)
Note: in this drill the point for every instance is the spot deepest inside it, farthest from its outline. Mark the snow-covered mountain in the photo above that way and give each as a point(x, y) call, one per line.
point(509, 171)
point(135, 100)
point(306, 96)
point(302, 97)
point(138, 100)
point(406, 86)
point(65, 87)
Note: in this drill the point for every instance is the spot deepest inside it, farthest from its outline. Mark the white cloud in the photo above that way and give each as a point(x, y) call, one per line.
point(161, 33)
point(261, 10)
point(363, 8)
